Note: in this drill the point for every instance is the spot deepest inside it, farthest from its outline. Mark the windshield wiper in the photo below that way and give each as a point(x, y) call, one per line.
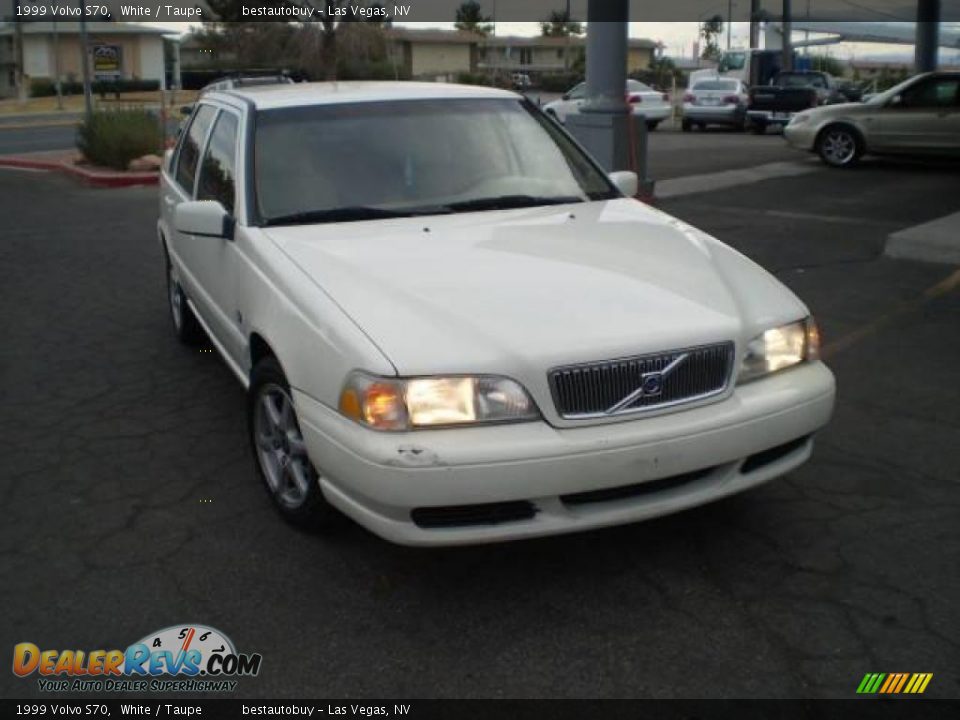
point(507, 202)
point(354, 213)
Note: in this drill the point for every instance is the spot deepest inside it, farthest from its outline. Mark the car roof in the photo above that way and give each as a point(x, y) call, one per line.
point(333, 93)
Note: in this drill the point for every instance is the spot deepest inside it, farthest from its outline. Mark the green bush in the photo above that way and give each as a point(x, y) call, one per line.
point(44, 87)
point(559, 82)
point(115, 137)
point(466, 78)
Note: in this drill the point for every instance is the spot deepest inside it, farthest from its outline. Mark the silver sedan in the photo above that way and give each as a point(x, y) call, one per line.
point(716, 101)
point(921, 116)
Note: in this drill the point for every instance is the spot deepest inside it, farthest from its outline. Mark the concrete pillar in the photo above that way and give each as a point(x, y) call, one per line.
point(606, 56)
point(928, 22)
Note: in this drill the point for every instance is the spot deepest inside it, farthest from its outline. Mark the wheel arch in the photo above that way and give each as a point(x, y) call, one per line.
point(845, 124)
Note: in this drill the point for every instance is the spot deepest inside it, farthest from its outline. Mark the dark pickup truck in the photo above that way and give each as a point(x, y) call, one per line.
point(789, 92)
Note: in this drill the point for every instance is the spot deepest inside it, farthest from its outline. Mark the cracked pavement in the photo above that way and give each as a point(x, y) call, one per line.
point(113, 438)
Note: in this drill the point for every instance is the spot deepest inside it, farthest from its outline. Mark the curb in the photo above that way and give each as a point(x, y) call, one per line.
point(94, 179)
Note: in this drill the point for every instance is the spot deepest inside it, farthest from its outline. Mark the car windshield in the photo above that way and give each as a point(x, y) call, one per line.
point(357, 161)
point(637, 86)
point(732, 61)
point(727, 85)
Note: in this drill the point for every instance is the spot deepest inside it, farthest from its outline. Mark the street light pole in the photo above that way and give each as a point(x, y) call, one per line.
point(56, 65)
point(85, 61)
point(18, 53)
point(729, 20)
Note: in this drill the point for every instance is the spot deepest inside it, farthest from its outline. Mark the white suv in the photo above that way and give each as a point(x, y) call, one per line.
point(454, 327)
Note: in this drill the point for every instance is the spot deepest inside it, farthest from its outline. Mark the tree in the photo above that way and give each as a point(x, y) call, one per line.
point(470, 18)
point(560, 24)
point(828, 64)
point(710, 31)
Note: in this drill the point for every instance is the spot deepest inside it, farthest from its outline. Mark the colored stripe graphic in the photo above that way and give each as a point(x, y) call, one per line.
point(894, 683)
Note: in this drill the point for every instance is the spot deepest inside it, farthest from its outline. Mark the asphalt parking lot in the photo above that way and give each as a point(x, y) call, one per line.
point(131, 504)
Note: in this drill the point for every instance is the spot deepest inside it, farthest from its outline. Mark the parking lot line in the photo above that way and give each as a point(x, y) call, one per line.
point(945, 286)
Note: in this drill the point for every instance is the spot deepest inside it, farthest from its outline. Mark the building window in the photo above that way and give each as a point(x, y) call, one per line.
point(526, 56)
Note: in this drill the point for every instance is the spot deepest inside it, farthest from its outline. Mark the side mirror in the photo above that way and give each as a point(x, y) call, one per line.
point(565, 96)
point(626, 182)
point(896, 101)
point(205, 218)
point(185, 110)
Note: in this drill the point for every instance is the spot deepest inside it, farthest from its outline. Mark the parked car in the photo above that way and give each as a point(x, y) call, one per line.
point(920, 116)
point(521, 81)
point(789, 92)
point(454, 327)
point(716, 101)
point(652, 104)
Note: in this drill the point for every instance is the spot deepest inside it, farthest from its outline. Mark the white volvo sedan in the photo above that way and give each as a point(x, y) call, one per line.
point(454, 328)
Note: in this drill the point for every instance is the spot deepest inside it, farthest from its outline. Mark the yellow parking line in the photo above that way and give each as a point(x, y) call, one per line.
point(945, 286)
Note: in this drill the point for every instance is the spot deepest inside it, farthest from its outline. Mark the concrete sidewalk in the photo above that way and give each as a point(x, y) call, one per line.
point(935, 241)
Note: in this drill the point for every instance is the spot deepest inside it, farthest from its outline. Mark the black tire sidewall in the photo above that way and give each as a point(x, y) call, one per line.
point(315, 512)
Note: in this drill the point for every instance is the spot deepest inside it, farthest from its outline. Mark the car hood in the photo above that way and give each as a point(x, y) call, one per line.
point(517, 292)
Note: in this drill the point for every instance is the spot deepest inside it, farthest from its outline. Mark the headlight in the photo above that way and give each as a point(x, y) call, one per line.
point(799, 119)
point(406, 404)
point(780, 348)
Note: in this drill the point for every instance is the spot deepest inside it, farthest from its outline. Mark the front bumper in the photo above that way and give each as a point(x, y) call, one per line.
point(380, 479)
point(802, 137)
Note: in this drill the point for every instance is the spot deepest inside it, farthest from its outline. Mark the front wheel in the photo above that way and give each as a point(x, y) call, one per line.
point(652, 126)
point(288, 475)
point(759, 128)
point(839, 147)
point(686, 126)
point(185, 325)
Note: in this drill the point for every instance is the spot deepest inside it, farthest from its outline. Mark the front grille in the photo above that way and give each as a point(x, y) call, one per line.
point(467, 515)
point(645, 382)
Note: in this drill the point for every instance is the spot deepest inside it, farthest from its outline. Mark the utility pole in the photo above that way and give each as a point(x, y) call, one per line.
point(729, 21)
point(787, 33)
point(56, 66)
point(18, 53)
point(754, 24)
point(85, 61)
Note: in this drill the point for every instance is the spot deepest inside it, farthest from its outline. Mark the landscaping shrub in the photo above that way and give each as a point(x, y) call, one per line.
point(559, 82)
point(115, 137)
point(44, 87)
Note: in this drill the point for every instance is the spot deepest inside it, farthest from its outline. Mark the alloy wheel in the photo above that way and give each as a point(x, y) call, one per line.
point(839, 147)
point(280, 448)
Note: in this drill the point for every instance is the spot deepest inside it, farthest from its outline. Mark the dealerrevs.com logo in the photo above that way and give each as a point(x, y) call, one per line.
point(180, 658)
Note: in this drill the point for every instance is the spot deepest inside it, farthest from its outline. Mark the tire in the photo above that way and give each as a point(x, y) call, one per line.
point(185, 325)
point(287, 473)
point(759, 129)
point(652, 126)
point(839, 146)
point(686, 126)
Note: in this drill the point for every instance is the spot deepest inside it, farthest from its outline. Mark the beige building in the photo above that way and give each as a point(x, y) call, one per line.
point(437, 54)
point(117, 50)
point(550, 54)
point(444, 53)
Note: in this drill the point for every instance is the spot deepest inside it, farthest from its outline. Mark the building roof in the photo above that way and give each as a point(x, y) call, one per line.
point(433, 36)
point(93, 28)
point(543, 41)
point(335, 93)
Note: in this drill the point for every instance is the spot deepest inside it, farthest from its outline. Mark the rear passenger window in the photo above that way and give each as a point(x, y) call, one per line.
point(217, 168)
point(190, 150)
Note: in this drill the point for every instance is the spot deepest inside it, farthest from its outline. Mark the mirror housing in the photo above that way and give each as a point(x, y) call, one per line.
point(185, 110)
point(896, 101)
point(205, 218)
point(626, 182)
point(565, 96)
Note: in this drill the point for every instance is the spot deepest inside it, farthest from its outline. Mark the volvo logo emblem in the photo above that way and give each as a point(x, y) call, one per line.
point(651, 385)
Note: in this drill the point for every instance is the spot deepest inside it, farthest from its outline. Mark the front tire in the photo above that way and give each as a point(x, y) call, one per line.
point(759, 128)
point(839, 146)
point(185, 325)
point(686, 126)
point(652, 126)
point(286, 471)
